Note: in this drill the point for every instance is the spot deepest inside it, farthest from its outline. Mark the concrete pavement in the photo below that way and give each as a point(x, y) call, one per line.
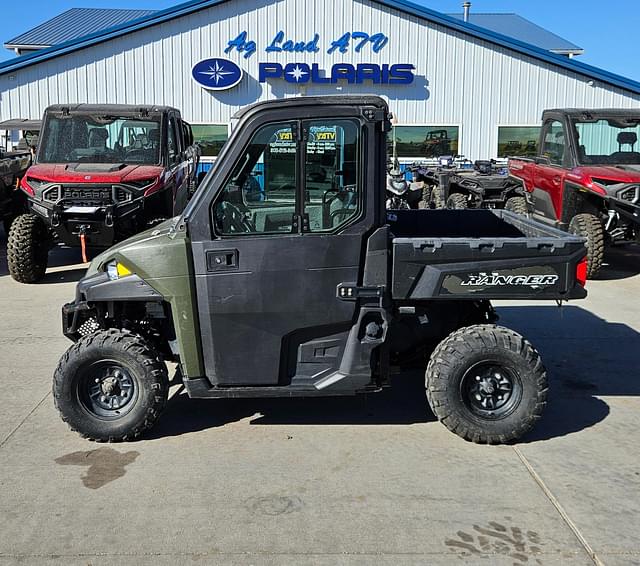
point(371, 480)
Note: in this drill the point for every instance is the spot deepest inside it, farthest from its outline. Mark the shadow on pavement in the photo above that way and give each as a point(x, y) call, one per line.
point(403, 404)
point(586, 358)
point(578, 374)
point(620, 263)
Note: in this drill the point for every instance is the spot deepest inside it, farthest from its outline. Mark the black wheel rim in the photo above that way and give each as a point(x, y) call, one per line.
point(107, 389)
point(490, 390)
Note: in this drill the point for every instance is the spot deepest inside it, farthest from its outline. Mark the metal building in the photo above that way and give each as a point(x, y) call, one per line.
point(454, 86)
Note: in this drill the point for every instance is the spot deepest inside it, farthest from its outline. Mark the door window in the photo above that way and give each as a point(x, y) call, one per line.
point(332, 170)
point(554, 143)
point(260, 196)
point(172, 142)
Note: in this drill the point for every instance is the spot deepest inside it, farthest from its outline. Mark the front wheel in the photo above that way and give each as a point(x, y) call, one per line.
point(28, 244)
point(487, 384)
point(110, 386)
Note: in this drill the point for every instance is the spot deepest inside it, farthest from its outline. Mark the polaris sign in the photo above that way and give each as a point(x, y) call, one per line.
point(301, 73)
point(216, 74)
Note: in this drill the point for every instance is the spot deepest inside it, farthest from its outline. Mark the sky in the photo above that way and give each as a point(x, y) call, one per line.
point(607, 31)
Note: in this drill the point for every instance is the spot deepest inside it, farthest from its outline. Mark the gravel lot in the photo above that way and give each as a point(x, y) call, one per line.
point(366, 481)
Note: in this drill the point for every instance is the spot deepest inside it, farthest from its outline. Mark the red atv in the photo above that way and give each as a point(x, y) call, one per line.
point(101, 174)
point(586, 179)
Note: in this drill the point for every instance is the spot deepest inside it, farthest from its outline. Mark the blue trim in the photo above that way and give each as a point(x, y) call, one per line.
point(401, 5)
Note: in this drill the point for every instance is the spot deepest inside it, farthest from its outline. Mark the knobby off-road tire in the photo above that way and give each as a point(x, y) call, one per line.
point(486, 384)
point(517, 205)
point(110, 386)
point(457, 201)
point(437, 198)
point(589, 226)
point(28, 248)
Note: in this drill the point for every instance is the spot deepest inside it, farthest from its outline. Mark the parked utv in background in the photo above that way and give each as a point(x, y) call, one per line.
point(13, 166)
point(102, 173)
point(313, 291)
point(483, 185)
point(586, 179)
point(436, 143)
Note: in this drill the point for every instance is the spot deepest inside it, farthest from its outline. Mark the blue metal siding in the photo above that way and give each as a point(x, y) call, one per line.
point(414, 10)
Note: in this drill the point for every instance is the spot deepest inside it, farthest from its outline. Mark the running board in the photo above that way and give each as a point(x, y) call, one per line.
point(200, 388)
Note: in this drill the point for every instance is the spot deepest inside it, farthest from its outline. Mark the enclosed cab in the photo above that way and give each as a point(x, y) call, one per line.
point(102, 173)
point(308, 287)
point(586, 178)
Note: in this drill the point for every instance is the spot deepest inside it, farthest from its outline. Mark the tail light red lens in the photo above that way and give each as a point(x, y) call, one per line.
point(581, 272)
point(26, 187)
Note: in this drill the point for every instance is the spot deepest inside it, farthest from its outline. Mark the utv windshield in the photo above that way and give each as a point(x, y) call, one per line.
point(608, 141)
point(100, 139)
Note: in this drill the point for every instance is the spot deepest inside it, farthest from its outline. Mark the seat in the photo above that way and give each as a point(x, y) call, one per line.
point(98, 138)
point(627, 138)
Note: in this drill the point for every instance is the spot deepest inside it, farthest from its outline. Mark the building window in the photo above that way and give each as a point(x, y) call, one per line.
point(518, 140)
point(210, 137)
point(422, 142)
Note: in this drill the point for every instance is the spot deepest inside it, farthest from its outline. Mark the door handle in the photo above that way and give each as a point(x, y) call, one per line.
point(222, 260)
point(556, 180)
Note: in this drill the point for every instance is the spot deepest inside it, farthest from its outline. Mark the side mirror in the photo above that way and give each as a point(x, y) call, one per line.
point(542, 160)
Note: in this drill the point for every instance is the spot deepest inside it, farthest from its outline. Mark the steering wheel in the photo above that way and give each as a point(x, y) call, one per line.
point(232, 219)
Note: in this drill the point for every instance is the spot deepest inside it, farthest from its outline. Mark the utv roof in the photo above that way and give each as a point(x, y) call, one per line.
point(326, 100)
point(110, 108)
point(595, 111)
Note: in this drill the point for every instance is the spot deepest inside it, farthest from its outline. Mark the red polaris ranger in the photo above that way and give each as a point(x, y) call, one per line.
point(102, 173)
point(586, 179)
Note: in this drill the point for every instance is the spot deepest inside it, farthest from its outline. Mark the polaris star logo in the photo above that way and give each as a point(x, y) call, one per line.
point(495, 279)
point(216, 74)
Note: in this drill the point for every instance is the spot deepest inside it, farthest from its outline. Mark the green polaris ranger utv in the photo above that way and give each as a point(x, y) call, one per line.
point(279, 282)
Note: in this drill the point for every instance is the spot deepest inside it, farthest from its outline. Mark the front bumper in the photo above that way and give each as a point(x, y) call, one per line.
point(101, 225)
point(627, 211)
point(74, 316)
point(95, 297)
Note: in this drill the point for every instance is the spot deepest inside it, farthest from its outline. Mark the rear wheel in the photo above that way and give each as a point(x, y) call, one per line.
point(110, 386)
point(487, 384)
point(589, 226)
point(28, 248)
point(457, 201)
point(517, 205)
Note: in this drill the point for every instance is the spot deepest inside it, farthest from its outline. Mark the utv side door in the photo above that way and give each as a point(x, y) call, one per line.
point(549, 177)
point(271, 243)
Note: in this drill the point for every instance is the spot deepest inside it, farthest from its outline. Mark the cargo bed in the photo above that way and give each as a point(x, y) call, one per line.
point(485, 254)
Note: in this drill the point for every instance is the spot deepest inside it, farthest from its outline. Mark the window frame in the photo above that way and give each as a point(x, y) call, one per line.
point(300, 193)
point(497, 131)
point(408, 160)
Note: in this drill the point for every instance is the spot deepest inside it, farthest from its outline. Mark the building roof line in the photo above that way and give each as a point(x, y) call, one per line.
point(405, 6)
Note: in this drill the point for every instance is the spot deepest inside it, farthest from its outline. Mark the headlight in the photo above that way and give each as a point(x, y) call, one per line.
point(630, 194)
point(116, 270)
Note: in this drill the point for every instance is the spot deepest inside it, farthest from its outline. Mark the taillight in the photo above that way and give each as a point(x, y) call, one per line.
point(26, 187)
point(581, 272)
